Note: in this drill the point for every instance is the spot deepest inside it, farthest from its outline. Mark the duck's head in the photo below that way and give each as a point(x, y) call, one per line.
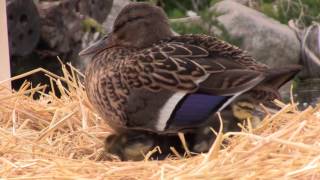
point(138, 25)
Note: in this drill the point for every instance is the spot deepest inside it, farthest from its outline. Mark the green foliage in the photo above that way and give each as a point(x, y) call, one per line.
point(178, 8)
point(270, 10)
point(176, 13)
point(183, 28)
point(305, 11)
point(214, 2)
point(210, 19)
point(171, 6)
point(92, 25)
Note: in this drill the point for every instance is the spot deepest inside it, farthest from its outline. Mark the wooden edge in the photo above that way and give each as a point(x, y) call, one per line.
point(4, 46)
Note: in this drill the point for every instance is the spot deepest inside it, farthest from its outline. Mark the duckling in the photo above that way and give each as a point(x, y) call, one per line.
point(134, 145)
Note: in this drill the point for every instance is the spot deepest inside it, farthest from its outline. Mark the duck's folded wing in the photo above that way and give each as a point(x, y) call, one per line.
point(186, 67)
point(220, 48)
point(231, 82)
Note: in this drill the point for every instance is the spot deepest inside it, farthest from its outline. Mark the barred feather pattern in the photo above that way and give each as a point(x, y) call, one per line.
point(165, 66)
point(216, 46)
point(168, 65)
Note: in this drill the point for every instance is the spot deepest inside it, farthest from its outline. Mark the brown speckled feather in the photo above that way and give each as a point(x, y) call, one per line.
point(172, 64)
point(217, 47)
point(165, 66)
point(141, 68)
point(177, 65)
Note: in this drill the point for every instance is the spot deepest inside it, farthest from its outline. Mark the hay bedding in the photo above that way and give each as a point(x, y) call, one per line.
point(62, 138)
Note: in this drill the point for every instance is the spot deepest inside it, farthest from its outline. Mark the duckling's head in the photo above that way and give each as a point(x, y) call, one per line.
point(129, 146)
point(138, 25)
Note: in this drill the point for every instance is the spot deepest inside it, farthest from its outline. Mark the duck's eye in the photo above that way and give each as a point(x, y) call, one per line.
point(105, 37)
point(245, 105)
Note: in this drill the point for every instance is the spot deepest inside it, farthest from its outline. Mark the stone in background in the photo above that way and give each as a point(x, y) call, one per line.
point(266, 39)
point(308, 89)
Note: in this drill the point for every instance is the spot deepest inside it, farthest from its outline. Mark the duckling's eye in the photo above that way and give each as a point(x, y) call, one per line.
point(137, 138)
point(111, 139)
point(245, 106)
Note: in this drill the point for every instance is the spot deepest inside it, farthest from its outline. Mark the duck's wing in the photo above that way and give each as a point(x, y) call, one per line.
point(274, 77)
point(222, 49)
point(191, 66)
point(196, 81)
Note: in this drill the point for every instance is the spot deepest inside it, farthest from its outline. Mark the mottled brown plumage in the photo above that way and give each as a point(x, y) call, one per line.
point(141, 64)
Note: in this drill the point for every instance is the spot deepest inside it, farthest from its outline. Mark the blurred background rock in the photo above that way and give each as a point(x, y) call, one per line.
point(40, 30)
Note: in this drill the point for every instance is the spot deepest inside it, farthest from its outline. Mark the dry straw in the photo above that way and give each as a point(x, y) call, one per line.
point(62, 138)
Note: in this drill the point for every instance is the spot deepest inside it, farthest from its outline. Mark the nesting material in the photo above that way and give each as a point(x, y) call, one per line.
point(62, 138)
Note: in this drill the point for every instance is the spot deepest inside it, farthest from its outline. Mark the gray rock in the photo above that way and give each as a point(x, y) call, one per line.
point(308, 89)
point(310, 49)
point(243, 2)
point(266, 39)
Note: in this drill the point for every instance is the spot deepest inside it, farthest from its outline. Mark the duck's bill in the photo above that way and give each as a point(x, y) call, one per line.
point(96, 47)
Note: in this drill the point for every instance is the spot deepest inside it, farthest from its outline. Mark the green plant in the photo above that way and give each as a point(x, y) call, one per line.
point(184, 28)
point(305, 11)
point(89, 24)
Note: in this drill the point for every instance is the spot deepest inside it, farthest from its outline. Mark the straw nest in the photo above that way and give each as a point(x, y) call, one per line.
point(62, 138)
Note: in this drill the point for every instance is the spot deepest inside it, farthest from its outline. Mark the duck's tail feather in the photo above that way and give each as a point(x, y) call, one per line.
point(277, 77)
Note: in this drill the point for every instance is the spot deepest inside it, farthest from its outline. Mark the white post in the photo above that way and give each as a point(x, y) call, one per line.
point(4, 46)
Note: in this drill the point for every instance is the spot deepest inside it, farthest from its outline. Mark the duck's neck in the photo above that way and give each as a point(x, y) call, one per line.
point(110, 58)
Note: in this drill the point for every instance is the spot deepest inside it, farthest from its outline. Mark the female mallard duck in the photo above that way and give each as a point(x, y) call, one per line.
point(144, 77)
